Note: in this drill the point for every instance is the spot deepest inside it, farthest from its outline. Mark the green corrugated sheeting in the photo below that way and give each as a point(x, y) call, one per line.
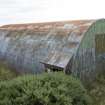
point(85, 61)
point(96, 28)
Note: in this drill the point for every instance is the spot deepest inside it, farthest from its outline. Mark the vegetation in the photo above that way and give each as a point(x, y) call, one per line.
point(43, 89)
point(97, 90)
point(48, 89)
point(5, 72)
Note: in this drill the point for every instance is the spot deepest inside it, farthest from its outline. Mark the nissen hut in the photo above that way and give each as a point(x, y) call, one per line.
point(73, 47)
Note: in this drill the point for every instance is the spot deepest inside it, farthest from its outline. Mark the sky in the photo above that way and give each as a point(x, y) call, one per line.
point(32, 11)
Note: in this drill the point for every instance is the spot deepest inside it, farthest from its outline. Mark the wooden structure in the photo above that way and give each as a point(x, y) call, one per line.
point(57, 61)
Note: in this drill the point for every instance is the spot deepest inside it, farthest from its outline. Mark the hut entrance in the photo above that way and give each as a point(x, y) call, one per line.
point(100, 51)
point(57, 61)
point(52, 68)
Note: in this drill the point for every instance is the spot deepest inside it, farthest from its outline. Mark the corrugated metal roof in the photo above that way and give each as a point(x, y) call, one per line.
point(66, 25)
point(62, 38)
point(57, 59)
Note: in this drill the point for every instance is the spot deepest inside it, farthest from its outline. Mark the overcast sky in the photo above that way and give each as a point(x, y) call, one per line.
point(28, 11)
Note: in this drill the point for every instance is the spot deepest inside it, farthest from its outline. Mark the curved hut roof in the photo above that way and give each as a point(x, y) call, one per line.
point(51, 43)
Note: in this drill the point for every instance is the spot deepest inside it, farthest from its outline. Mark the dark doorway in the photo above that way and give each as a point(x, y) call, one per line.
point(51, 68)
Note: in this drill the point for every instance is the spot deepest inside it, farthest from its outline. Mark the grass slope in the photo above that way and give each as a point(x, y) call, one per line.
point(97, 90)
point(43, 89)
point(5, 72)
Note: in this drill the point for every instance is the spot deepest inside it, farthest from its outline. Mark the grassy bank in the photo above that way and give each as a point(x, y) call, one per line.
point(97, 90)
point(43, 89)
point(6, 73)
